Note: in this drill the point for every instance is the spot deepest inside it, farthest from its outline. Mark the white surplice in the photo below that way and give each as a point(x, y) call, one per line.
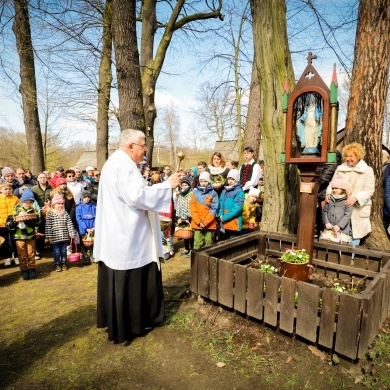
point(127, 227)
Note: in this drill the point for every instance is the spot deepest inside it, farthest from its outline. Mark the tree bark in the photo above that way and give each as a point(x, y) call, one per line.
point(105, 80)
point(253, 124)
point(28, 87)
point(152, 61)
point(366, 105)
point(273, 62)
point(131, 113)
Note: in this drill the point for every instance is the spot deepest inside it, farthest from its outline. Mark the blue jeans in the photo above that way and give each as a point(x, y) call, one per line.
point(59, 252)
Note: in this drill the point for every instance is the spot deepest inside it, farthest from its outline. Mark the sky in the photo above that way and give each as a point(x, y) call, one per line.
point(181, 76)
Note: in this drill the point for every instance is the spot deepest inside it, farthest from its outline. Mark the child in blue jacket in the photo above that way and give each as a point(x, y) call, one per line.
point(231, 203)
point(85, 216)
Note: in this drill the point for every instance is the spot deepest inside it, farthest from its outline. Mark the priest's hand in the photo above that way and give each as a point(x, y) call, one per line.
point(174, 179)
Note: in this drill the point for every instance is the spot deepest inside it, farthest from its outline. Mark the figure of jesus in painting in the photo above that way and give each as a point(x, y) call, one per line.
point(309, 129)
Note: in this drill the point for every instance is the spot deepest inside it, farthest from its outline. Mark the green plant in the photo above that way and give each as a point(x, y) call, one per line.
point(268, 268)
point(292, 255)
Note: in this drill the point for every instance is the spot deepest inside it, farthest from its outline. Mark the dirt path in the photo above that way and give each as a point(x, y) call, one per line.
point(49, 341)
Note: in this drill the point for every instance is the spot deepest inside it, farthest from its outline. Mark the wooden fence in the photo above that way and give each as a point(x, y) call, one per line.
point(341, 322)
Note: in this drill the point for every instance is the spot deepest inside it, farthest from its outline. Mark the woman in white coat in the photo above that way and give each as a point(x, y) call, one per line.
point(361, 186)
point(127, 242)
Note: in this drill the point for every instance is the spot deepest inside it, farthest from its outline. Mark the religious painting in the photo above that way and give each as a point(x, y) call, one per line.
point(308, 111)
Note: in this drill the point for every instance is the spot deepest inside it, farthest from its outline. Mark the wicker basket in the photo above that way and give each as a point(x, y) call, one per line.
point(164, 223)
point(185, 233)
point(26, 217)
point(87, 241)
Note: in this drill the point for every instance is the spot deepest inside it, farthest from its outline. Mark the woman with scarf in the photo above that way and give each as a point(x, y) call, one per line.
point(361, 186)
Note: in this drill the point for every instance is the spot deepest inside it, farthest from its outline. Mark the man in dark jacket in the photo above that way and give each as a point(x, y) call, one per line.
point(93, 186)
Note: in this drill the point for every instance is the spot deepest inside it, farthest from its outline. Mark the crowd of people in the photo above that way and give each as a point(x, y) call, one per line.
point(215, 199)
point(122, 209)
point(56, 207)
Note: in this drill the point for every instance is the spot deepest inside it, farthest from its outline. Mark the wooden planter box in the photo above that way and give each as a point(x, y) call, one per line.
point(344, 323)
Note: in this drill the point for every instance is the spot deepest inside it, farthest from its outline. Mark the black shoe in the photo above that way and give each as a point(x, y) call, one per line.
point(25, 274)
point(58, 268)
point(64, 267)
point(33, 273)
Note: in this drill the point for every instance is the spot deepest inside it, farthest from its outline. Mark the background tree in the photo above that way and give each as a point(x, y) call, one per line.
point(253, 124)
point(273, 62)
point(104, 90)
point(216, 111)
point(131, 114)
point(28, 88)
point(367, 102)
point(183, 14)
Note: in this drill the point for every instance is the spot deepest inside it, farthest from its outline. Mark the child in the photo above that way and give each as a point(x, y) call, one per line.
point(203, 211)
point(59, 229)
point(85, 215)
point(24, 233)
point(336, 216)
point(7, 203)
point(249, 210)
point(167, 234)
point(231, 203)
point(183, 212)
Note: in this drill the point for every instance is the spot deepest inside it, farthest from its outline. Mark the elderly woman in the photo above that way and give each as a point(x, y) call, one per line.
point(361, 186)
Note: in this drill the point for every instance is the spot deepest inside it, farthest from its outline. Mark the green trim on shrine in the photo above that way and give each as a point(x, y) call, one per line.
point(331, 158)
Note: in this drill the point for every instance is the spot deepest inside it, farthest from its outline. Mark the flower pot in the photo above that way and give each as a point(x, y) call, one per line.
point(297, 271)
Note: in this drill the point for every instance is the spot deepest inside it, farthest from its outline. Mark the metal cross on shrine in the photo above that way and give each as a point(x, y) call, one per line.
point(310, 57)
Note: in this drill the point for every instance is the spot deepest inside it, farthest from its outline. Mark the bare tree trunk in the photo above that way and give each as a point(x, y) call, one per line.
point(273, 62)
point(28, 87)
point(253, 123)
point(131, 113)
point(105, 79)
point(153, 60)
point(367, 100)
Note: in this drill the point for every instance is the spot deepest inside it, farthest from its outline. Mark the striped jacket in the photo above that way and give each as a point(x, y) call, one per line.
point(59, 227)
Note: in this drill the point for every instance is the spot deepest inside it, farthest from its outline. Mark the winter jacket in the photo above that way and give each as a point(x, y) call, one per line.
point(59, 227)
point(93, 188)
point(85, 216)
point(386, 206)
point(231, 203)
point(361, 181)
point(76, 188)
point(6, 206)
point(204, 208)
point(40, 194)
point(23, 230)
point(248, 213)
point(337, 213)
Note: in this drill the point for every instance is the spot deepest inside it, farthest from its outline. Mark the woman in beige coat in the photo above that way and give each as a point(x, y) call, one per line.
point(361, 186)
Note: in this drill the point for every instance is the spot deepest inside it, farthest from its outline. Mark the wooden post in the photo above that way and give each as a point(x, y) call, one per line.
point(310, 174)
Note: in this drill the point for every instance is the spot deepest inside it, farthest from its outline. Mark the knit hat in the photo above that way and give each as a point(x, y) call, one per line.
point(89, 168)
point(27, 195)
point(205, 176)
point(61, 180)
point(187, 181)
point(7, 171)
point(254, 192)
point(57, 199)
point(60, 168)
point(85, 194)
point(195, 170)
point(339, 183)
point(234, 174)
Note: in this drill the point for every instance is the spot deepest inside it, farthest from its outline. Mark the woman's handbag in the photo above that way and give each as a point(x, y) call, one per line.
point(74, 255)
point(87, 240)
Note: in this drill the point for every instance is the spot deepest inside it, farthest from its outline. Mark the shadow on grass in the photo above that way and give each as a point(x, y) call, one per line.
point(19, 356)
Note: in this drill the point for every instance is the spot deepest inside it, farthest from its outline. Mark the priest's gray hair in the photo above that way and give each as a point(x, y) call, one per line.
point(130, 136)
